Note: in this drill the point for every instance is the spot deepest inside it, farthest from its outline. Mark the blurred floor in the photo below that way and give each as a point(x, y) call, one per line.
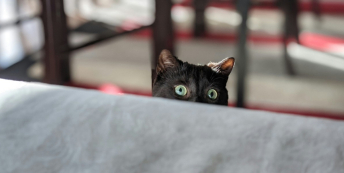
point(125, 62)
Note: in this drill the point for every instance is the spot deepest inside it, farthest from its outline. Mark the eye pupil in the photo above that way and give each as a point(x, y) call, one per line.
point(212, 94)
point(180, 90)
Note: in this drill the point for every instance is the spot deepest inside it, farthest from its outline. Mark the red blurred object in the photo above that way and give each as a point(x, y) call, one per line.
point(326, 7)
point(231, 37)
point(129, 25)
point(111, 89)
point(320, 42)
point(312, 40)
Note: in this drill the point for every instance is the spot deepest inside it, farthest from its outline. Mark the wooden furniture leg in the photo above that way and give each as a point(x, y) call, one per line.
point(163, 34)
point(199, 22)
point(291, 30)
point(56, 56)
point(243, 7)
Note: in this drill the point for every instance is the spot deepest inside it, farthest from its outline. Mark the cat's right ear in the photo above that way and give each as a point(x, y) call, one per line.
point(166, 61)
point(224, 67)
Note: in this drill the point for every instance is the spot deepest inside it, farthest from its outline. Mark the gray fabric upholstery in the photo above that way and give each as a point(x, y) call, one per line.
point(46, 128)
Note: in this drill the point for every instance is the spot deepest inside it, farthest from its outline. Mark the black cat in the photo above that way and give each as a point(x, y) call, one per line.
point(180, 80)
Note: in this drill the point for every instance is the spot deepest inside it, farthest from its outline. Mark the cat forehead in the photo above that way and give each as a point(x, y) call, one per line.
point(192, 71)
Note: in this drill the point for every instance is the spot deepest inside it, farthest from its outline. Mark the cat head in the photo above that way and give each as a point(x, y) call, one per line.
point(180, 80)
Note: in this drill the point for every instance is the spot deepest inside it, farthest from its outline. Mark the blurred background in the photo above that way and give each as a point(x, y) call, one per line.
point(290, 54)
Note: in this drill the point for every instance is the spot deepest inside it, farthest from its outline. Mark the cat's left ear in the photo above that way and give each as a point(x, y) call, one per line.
point(224, 67)
point(166, 61)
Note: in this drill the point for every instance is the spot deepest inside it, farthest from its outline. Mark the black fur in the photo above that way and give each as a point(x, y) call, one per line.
point(197, 79)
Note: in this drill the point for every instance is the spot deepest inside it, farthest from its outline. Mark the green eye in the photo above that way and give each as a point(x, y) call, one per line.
point(212, 94)
point(180, 90)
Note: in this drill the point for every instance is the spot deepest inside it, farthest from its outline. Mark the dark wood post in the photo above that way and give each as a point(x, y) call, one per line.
point(243, 7)
point(56, 57)
point(199, 22)
point(291, 30)
point(163, 34)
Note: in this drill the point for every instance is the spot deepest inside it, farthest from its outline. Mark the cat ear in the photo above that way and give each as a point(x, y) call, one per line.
point(224, 67)
point(166, 61)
